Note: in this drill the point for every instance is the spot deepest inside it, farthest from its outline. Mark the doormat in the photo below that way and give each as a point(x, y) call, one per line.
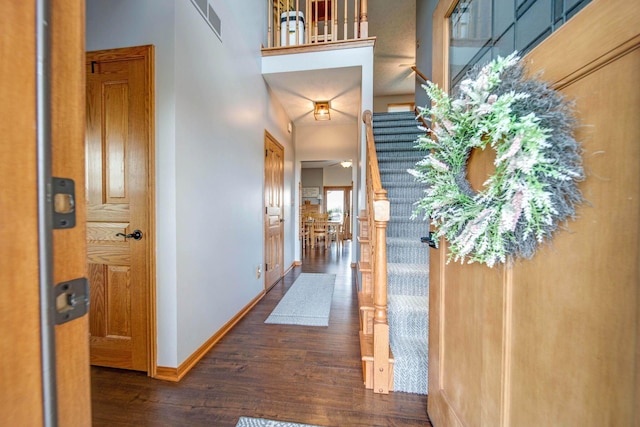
point(307, 302)
point(261, 422)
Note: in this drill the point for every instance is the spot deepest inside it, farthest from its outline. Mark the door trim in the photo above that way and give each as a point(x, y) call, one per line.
point(147, 54)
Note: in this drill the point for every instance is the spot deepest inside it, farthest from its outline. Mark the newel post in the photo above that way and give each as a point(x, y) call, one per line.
point(364, 21)
point(381, 368)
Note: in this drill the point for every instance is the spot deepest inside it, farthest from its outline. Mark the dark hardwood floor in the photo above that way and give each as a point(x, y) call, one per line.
point(300, 374)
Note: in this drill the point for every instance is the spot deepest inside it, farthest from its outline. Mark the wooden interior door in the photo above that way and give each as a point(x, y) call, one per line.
point(554, 340)
point(119, 202)
point(21, 376)
point(273, 213)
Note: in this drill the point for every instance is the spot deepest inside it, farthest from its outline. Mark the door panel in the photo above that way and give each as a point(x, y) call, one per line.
point(553, 340)
point(21, 376)
point(274, 205)
point(119, 202)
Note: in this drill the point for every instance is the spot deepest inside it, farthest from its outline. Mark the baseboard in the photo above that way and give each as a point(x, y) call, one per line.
point(295, 264)
point(176, 374)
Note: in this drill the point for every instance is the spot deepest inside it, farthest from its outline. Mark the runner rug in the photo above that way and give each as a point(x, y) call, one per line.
point(261, 422)
point(307, 302)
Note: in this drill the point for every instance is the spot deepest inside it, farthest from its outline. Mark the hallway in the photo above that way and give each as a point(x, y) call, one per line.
point(299, 374)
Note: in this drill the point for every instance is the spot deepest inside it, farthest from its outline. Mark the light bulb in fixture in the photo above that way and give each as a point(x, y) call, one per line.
point(321, 110)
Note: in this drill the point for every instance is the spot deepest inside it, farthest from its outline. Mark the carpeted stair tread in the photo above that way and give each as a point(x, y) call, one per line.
point(381, 123)
point(411, 363)
point(398, 115)
point(406, 228)
point(393, 242)
point(407, 250)
point(383, 149)
point(405, 137)
point(398, 130)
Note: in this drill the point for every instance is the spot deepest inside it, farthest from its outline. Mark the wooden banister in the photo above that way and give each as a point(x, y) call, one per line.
point(420, 73)
point(378, 216)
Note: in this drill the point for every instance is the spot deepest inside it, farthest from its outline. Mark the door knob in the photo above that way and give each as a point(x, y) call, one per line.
point(136, 235)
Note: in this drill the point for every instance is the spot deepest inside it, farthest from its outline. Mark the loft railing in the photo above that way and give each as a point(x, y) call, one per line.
point(307, 22)
point(378, 213)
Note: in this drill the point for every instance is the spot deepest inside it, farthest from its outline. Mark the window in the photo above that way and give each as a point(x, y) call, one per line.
point(482, 30)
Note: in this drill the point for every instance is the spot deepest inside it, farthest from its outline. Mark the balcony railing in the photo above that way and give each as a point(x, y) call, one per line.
point(307, 22)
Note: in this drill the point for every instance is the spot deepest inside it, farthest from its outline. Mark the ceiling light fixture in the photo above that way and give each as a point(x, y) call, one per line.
point(346, 163)
point(321, 110)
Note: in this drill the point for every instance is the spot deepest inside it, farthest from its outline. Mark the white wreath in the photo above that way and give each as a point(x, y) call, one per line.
point(537, 164)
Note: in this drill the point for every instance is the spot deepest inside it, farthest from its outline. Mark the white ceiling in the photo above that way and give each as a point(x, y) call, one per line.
point(393, 23)
point(297, 91)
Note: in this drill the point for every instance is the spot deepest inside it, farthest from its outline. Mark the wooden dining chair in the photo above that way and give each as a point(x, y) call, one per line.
point(305, 232)
point(320, 231)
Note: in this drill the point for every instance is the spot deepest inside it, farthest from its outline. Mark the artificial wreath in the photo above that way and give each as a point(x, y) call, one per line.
point(538, 163)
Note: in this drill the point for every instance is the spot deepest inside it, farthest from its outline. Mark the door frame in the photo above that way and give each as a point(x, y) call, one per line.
point(147, 54)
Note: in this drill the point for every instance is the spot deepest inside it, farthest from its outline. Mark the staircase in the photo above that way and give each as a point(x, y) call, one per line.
point(407, 257)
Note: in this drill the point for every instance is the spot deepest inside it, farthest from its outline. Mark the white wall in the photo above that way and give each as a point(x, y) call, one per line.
point(337, 176)
point(212, 108)
point(380, 103)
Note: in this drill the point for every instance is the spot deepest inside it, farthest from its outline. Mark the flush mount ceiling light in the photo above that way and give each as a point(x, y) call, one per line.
point(346, 163)
point(321, 110)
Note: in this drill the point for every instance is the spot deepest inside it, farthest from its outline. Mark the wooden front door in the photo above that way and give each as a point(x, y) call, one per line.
point(554, 340)
point(24, 255)
point(274, 205)
point(119, 202)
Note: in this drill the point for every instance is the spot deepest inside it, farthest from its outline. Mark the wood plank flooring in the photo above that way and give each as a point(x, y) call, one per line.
point(300, 374)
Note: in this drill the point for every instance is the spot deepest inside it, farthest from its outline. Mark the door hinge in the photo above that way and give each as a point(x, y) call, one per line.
point(72, 300)
point(64, 203)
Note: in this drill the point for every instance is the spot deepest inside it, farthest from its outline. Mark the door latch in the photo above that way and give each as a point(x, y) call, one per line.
point(72, 300)
point(64, 203)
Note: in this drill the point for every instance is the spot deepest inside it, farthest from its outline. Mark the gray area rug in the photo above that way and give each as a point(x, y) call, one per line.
point(307, 302)
point(261, 422)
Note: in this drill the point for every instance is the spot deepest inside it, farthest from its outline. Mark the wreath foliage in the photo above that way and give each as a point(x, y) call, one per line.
point(537, 167)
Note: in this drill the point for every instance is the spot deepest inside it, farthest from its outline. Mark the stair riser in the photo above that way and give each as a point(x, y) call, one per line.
point(396, 176)
point(403, 210)
point(399, 155)
point(409, 138)
point(409, 254)
point(398, 163)
point(410, 192)
point(409, 325)
point(414, 285)
point(415, 229)
point(397, 130)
